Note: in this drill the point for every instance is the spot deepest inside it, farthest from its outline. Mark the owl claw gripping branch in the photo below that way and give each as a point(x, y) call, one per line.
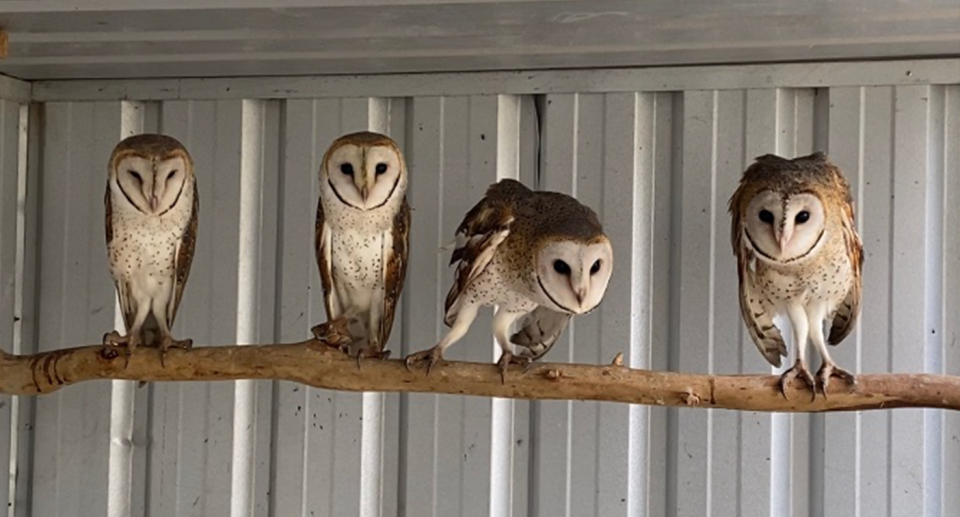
point(540, 257)
point(152, 206)
point(799, 256)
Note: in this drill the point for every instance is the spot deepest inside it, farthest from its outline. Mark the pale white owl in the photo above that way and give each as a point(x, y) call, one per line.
point(540, 257)
point(362, 235)
point(798, 256)
point(152, 206)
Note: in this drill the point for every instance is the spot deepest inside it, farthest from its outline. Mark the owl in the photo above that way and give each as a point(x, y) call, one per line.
point(152, 206)
point(798, 256)
point(362, 235)
point(540, 257)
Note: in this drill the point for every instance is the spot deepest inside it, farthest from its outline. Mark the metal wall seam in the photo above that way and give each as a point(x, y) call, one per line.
point(501, 418)
point(10, 284)
point(120, 468)
point(251, 177)
point(643, 208)
point(372, 411)
point(950, 435)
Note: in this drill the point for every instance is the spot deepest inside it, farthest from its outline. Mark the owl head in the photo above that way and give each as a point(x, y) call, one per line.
point(364, 170)
point(785, 206)
point(150, 171)
point(574, 258)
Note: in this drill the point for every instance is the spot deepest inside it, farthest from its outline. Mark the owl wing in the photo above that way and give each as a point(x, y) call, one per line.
point(845, 318)
point(183, 257)
point(322, 238)
point(484, 227)
point(539, 330)
point(395, 268)
point(757, 315)
point(127, 304)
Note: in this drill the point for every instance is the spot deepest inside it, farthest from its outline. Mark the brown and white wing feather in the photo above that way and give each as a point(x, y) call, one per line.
point(539, 330)
point(484, 227)
point(395, 268)
point(845, 318)
point(757, 314)
point(322, 241)
point(183, 257)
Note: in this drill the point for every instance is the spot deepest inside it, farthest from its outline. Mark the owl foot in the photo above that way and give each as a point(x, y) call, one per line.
point(167, 342)
point(371, 352)
point(113, 340)
point(507, 359)
point(829, 369)
point(799, 370)
point(335, 334)
point(432, 356)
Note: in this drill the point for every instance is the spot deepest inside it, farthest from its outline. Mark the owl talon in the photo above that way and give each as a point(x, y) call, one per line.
point(168, 342)
point(798, 370)
point(371, 352)
point(828, 370)
point(431, 356)
point(508, 358)
point(113, 340)
point(335, 334)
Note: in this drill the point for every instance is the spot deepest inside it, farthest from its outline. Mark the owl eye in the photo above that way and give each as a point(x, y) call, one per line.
point(766, 216)
point(561, 267)
point(171, 173)
point(135, 175)
point(595, 268)
point(802, 217)
point(381, 168)
point(347, 169)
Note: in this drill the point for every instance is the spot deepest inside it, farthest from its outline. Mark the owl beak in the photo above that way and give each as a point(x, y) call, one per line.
point(785, 237)
point(154, 203)
point(364, 191)
point(581, 294)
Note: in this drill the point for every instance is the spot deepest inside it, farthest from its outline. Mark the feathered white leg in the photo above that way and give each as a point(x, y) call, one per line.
point(501, 330)
point(465, 317)
point(817, 313)
point(801, 329)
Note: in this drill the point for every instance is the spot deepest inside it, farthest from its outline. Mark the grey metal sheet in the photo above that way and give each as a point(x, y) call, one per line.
point(242, 38)
point(657, 166)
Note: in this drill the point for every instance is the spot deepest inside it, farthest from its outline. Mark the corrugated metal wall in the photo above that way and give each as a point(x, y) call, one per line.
point(658, 166)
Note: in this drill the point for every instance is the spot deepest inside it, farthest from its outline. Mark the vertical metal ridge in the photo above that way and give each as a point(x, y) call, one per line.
point(641, 322)
point(501, 418)
point(372, 410)
point(933, 294)
point(120, 467)
point(247, 323)
point(23, 146)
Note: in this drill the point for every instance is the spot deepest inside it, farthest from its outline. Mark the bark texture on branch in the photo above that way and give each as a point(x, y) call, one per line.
point(314, 363)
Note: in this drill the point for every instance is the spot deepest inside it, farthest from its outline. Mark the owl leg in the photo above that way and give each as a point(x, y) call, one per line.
point(374, 348)
point(801, 328)
point(465, 318)
point(335, 332)
point(501, 330)
point(165, 340)
point(828, 368)
point(134, 335)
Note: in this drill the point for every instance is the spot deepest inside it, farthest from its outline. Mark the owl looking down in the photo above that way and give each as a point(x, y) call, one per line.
point(799, 256)
point(540, 257)
point(151, 225)
point(362, 235)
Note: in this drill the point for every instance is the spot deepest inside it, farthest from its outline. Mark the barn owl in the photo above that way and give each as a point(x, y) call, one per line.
point(798, 256)
point(152, 206)
point(362, 235)
point(540, 257)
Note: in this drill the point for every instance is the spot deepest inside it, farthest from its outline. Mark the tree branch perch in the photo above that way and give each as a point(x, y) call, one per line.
point(315, 363)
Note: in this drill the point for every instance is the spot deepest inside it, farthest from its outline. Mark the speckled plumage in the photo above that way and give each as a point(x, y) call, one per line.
point(822, 283)
point(497, 248)
point(362, 252)
point(150, 251)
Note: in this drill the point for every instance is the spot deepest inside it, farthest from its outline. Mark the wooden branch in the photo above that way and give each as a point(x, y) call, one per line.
point(315, 363)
